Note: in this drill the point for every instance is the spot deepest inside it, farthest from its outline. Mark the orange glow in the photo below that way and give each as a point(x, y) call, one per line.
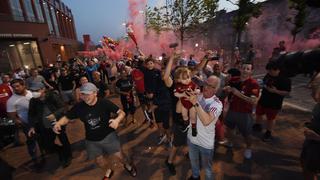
point(62, 47)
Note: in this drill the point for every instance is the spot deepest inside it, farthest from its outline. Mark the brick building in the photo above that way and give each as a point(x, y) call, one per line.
point(35, 32)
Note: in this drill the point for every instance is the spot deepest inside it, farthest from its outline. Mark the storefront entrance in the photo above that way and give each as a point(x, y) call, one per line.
point(19, 54)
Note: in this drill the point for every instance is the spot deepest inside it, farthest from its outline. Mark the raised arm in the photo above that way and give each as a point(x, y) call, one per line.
point(166, 76)
point(203, 63)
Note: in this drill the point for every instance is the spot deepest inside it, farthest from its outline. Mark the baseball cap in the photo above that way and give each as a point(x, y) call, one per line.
point(36, 86)
point(88, 88)
point(192, 63)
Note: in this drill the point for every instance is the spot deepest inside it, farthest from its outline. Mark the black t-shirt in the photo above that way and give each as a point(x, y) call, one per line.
point(95, 118)
point(272, 100)
point(66, 82)
point(102, 88)
point(151, 78)
point(125, 85)
point(162, 96)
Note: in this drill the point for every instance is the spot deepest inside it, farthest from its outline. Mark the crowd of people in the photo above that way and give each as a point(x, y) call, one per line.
point(190, 102)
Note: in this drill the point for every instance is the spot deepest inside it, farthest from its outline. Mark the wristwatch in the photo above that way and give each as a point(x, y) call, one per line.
point(196, 105)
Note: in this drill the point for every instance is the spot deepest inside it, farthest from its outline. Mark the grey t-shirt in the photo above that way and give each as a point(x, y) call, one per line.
point(31, 80)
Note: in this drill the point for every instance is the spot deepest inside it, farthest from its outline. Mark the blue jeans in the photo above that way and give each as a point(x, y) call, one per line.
point(195, 152)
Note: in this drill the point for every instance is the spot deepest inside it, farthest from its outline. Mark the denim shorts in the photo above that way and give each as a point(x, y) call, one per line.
point(109, 145)
point(242, 121)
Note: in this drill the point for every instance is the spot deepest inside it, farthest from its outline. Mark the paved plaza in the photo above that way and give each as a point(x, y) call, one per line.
point(275, 160)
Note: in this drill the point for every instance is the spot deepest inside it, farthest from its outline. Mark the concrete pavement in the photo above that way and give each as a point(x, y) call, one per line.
point(275, 160)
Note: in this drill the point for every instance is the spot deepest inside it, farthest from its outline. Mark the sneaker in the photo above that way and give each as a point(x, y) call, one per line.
point(171, 168)
point(171, 143)
point(248, 153)
point(222, 142)
point(257, 127)
point(267, 137)
point(184, 128)
point(162, 139)
point(108, 174)
point(226, 143)
point(150, 115)
point(146, 115)
point(192, 178)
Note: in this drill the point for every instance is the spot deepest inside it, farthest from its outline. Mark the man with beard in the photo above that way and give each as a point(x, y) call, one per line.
point(17, 108)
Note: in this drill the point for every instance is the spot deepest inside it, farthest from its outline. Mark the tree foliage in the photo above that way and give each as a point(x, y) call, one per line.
point(300, 6)
point(246, 10)
point(181, 16)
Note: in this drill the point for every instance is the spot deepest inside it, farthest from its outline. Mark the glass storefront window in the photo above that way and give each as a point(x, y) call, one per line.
point(54, 17)
point(19, 54)
point(16, 10)
point(29, 11)
point(39, 10)
point(48, 18)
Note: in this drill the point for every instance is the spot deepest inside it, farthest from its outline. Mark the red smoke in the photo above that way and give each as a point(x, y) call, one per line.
point(272, 27)
point(149, 41)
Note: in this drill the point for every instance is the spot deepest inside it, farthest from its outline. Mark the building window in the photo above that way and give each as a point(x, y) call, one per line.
point(16, 10)
point(57, 4)
point(54, 18)
point(39, 10)
point(19, 54)
point(49, 22)
point(29, 11)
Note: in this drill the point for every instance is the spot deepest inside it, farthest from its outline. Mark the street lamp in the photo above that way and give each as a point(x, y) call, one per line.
point(196, 45)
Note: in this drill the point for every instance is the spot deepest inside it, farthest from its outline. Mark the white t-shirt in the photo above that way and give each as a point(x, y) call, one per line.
point(20, 104)
point(206, 134)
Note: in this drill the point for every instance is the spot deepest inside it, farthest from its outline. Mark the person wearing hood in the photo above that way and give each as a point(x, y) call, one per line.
point(44, 108)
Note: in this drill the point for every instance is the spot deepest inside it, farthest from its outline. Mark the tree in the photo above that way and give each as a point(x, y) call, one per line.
point(182, 16)
point(246, 10)
point(154, 19)
point(300, 6)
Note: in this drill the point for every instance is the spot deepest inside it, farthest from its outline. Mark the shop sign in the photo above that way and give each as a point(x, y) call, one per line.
point(8, 35)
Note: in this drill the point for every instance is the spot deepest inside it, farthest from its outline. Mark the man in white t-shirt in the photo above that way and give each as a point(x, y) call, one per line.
point(17, 108)
point(208, 108)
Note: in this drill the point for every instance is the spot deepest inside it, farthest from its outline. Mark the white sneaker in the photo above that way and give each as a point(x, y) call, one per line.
point(163, 138)
point(146, 115)
point(248, 153)
point(226, 143)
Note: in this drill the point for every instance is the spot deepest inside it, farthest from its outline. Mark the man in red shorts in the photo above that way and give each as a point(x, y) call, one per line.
point(275, 88)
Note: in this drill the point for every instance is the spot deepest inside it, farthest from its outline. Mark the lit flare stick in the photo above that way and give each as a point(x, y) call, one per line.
point(130, 33)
